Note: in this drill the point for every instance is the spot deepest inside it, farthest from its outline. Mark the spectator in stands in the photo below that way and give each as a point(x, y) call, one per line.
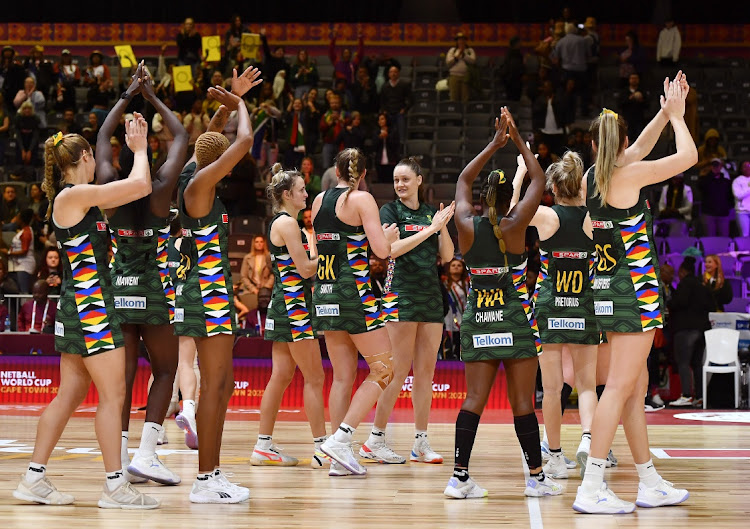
point(196, 123)
point(69, 125)
point(312, 181)
point(68, 77)
point(364, 94)
point(189, 45)
point(546, 45)
point(345, 66)
point(256, 267)
point(28, 129)
point(544, 156)
point(262, 117)
point(741, 191)
point(377, 275)
point(332, 124)
point(312, 127)
point(50, 270)
point(716, 199)
point(713, 278)
point(395, 100)
point(691, 114)
point(378, 67)
point(38, 314)
point(40, 69)
point(8, 285)
point(353, 135)
point(96, 72)
point(34, 97)
point(513, 69)
point(548, 117)
point(233, 39)
point(158, 155)
point(572, 53)
point(12, 75)
point(592, 66)
point(307, 225)
point(691, 303)
point(709, 151)
point(329, 179)
point(21, 261)
point(273, 62)
point(633, 105)
point(295, 121)
point(241, 310)
point(211, 104)
point(98, 98)
point(676, 206)
point(632, 59)
point(669, 44)
point(457, 285)
point(38, 204)
point(256, 318)
point(458, 59)
point(10, 206)
point(387, 147)
point(4, 129)
point(304, 74)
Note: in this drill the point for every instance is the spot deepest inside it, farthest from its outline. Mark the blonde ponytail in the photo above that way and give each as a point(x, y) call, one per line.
point(566, 175)
point(48, 184)
point(60, 152)
point(350, 162)
point(610, 132)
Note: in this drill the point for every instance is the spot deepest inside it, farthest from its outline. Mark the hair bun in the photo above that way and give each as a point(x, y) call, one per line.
point(276, 168)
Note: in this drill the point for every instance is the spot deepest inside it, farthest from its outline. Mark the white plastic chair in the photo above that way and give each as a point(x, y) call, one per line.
point(721, 348)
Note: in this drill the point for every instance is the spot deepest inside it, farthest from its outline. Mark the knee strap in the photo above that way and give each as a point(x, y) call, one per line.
point(381, 369)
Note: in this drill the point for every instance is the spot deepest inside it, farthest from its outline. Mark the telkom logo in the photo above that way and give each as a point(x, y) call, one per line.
point(502, 339)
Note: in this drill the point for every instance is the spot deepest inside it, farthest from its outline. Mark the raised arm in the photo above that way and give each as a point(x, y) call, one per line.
point(526, 208)
point(545, 219)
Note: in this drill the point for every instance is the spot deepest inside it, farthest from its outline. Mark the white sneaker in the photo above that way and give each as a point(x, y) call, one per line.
point(582, 454)
point(663, 494)
point(152, 468)
point(43, 491)
point(656, 399)
point(337, 470)
point(132, 478)
point(611, 459)
point(555, 467)
point(536, 488)
point(343, 454)
point(546, 454)
point(422, 452)
point(217, 489)
point(602, 501)
point(271, 457)
point(382, 453)
point(683, 401)
point(569, 463)
point(187, 424)
point(126, 497)
point(224, 478)
point(320, 460)
point(162, 439)
point(461, 490)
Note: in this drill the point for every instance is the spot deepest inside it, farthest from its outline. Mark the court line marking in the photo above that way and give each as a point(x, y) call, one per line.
point(535, 513)
point(661, 453)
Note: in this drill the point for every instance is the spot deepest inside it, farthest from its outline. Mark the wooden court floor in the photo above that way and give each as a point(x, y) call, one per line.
point(710, 459)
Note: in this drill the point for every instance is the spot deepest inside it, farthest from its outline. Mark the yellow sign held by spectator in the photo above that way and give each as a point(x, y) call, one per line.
point(212, 48)
point(183, 78)
point(250, 45)
point(126, 56)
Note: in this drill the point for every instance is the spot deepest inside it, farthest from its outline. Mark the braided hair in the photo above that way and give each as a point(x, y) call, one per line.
point(60, 152)
point(498, 190)
point(350, 162)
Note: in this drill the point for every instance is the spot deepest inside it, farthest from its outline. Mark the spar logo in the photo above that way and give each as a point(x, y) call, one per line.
point(570, 255)
point(328, 237)
point(489, 271)
point(566, 324)
point(130, 302)
point(414, 227)
point(225, 218)
point(604, 308)
point(135, 233)
point(500, 339)
point(327, 310)
point(101, 226)
point(602, 224)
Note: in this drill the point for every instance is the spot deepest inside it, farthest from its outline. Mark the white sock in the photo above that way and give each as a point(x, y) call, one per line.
point(35, 472)
point(647, 474)
point(124, 456)
point(149, 438)
point(377, 436)
point(594, 476)
point(344, 433)
point(188, 407)
point(115, 479)
point(317, 441)
point(264, 442)
point(420, 433)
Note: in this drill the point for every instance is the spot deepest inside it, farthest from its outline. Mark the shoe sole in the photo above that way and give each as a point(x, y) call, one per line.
point(448, 492)
point(645, 505)
point(372, 457)
point(582, 457)
point(428, 461)
point(191, 437)
point(534, 493)
point(107, 505)
point(269, 463)
point(35, 499)
point(356, 471)
point(199, 499)
point(580, 509)
point(135, 472)
point(132, 478)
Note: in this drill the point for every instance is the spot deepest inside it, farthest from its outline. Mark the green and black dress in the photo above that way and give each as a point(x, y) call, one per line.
point(86, 323)
point(414, 293)
point(564, 306)
point(627, 297)
point(498, 322)
point(342, 296)
point(204, 301)
point(289, 317)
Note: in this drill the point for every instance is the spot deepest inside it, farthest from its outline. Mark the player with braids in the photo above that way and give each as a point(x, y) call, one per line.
point(627, 296)
point(412, 308)
point(498, 323)
point(87, 327)
point(204, 309)
point(289, 322)
point(347, 223)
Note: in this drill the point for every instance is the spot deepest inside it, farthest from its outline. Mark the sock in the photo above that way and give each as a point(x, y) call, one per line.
point(204, 476)
point(377, 436)
point(555, 450)
point(647, 474)
point(344, 434)
point(599, 391)
point(124, 456)
point(115, 479)
point(565, 396)
point(35, 472)
point(586, 434)
point(188, 407)
point(594, 475)
point(149, 438)
point(539, 477)
point(419, 434)
point(466, 431)
point(264, 442)
point(319, 441)
point(527, 431)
